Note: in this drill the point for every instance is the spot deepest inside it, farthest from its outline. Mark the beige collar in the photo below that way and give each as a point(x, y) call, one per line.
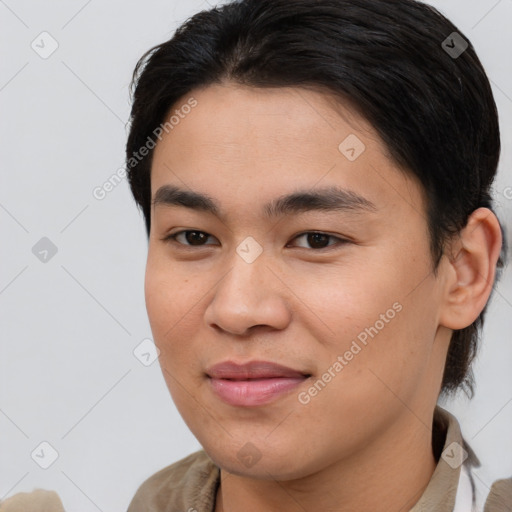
point(450, 451)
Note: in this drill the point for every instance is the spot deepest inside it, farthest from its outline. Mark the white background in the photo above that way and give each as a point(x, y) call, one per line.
point(70, 325)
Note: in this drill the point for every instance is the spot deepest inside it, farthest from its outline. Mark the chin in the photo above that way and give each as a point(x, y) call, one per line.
point(249, 462)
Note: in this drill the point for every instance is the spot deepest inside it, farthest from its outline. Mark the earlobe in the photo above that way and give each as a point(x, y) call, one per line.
point(472, 269)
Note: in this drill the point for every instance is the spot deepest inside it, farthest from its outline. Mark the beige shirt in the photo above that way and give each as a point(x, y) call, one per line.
point(35, 501)
point(190, 485)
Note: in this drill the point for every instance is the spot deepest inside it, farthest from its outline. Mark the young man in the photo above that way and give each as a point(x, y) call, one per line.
point(315, 179)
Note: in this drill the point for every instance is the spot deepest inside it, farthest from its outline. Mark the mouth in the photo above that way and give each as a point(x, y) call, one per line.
point(253, 383)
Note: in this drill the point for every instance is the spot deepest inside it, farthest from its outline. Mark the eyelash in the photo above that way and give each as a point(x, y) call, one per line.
point(341, 241)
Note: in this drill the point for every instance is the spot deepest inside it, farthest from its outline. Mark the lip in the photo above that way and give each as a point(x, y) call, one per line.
point(253, 383)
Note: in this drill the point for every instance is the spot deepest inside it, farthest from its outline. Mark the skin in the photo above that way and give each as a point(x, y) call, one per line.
point(301, 306)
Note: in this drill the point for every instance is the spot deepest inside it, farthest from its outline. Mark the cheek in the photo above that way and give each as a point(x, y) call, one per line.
point(170, 297)
point(392, 352)
point(160, 302)
point(168, 305)
point(342, 302)
point(374, 321)
point(171, 319)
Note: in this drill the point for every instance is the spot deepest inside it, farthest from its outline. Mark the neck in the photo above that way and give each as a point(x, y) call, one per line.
point(390, 474)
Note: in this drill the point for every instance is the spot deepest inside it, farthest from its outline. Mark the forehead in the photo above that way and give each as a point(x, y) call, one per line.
point(236, 118)
point(241, 143)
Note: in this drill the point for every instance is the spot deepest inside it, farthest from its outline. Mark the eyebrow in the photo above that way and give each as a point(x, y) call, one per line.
point(328, 199)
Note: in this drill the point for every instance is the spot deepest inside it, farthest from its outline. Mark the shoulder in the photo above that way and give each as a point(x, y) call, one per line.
point(188, 485)
point(39, 500)
point(500, 496)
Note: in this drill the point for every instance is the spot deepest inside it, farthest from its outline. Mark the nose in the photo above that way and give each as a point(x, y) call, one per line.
point(249, 295)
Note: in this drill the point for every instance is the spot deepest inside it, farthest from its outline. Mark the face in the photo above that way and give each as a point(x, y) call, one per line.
point(313, 321)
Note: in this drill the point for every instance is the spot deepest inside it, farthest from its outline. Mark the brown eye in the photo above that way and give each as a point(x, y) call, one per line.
point(319, 241)
point(189, 238)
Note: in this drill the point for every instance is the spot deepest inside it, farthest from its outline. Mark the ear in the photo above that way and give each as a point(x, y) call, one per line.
point(471, 270)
